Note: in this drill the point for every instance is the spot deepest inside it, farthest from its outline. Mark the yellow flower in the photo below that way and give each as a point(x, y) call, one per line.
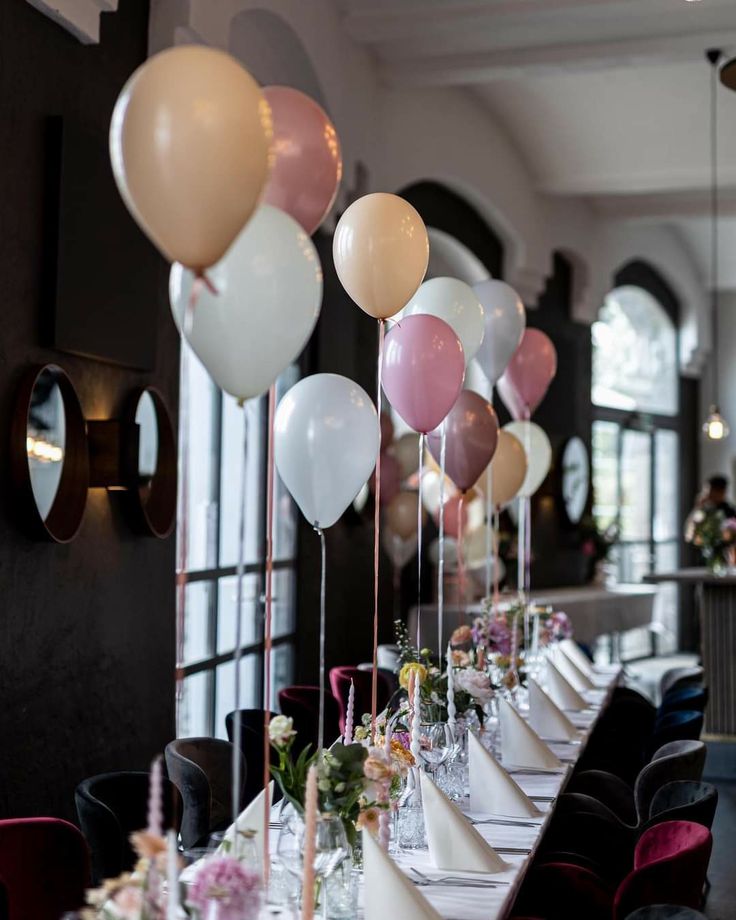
point(419, 670)
point(369, 819)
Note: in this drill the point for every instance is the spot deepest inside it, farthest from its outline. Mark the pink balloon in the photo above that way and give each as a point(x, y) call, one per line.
point(451, 517)
point(423, 370)
point(390, 478)
point(529, 373)
point(307, 164)
point(471, 430)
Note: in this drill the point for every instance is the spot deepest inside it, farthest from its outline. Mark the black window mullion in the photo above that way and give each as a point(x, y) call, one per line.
point(214, 608)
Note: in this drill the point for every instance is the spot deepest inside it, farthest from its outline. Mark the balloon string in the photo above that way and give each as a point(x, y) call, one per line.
point(183, 534)
point(322, 618)
point(496, 564)
point(489, 518)
point(520, 548)
point(207, 281)
point(441, 563)
point(527, 534)
point(460, 561)
point(268, 628)
point(240, 573)
point(419, 542)
point(377, 531)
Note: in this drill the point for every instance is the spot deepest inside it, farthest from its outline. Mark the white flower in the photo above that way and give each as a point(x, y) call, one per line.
point(281, 730)
point(698, 516)
point(475, 683)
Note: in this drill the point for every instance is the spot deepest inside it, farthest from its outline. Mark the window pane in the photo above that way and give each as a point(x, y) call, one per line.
point(250, 625)
point(194, 706)
point(197, 643)
point(200, 419)
point(666, 485)
point(284, 600)
point(225, 690)
point(666, 606)
point(605, 473)
point(632, 561)
point(282, 662)
point(636, 500)
point(231, 467)
point(635, 354)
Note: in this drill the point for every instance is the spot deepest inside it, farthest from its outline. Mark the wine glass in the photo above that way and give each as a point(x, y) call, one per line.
point(331, 848)
point(436, 744)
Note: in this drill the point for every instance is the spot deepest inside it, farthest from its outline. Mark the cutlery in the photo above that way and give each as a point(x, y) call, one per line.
point(504, 822)
point(513, 851)
point(542, 798)
point(456, 880)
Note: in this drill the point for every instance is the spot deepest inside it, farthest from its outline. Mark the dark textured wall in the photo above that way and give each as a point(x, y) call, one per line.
point(86, 630)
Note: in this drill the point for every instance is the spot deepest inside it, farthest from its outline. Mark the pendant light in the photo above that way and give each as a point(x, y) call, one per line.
point(715, 427)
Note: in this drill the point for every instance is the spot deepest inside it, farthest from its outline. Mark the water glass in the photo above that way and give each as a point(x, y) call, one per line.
point(341, 892)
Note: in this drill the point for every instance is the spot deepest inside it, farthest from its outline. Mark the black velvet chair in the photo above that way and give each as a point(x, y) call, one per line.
point(692, 697)
point(251, 744)
point(680, 677)
point(666, 912)
point(201, 769)
point(113, 805)
point(681, 725)
point(302, 705)
point(684, 800)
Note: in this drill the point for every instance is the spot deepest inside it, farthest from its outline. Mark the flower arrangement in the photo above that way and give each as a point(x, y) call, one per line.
point(714, 533)
point(223, 879)
point(554, 626)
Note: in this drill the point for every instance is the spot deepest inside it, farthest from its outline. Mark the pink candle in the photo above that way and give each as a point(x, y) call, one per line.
point(155, 799)
point(348, 736)
point(310, 843)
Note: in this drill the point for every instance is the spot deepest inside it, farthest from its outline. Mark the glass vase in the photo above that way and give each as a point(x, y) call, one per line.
point(411, 831)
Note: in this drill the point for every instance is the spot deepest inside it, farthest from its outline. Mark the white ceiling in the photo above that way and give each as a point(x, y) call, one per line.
point(606, 99)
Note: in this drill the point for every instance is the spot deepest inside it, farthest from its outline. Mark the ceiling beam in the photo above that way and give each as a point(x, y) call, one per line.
point(663, 205)
point(479, 68)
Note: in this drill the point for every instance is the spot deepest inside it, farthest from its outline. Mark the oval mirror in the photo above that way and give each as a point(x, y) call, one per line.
point(154, 475)
point(49, 456)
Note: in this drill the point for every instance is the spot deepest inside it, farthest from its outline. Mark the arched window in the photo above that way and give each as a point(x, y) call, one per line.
point(635, 392)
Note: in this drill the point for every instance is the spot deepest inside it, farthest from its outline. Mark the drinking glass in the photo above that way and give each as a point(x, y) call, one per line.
point(436, 744)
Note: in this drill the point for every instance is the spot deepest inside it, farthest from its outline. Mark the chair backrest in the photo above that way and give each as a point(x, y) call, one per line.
point(113, 805)
point(674, 760)
point(666, 912)
point(684, 800)
point(302, 705)
point(201, 769)
point(670, 864)
point(681, 725)
point(363, 686)
point(693, 697)
point(679, 677)
point(44, 866)
point(251, 744)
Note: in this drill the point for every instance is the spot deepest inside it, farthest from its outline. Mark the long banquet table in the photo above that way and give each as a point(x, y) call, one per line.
point(454, 903)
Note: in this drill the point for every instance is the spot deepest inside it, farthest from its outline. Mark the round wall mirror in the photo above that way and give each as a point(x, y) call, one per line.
point(153, 485)
point(49, 457)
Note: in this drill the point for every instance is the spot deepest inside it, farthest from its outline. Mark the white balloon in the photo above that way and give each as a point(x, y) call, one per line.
point(431, 482)
point(538, 454)
point(268, 296)
point(399, 550)
point(505, 320)
point(455, 302)
point(326, 439)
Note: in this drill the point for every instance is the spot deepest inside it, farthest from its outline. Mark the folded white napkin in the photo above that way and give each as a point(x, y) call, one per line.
point(454, 844)
point(571, 672)
point(577, 656)
point(521, 746)
point(546, 718)
point(492, 790)
point(252, 818)
point(387, 892)
point(562, 691)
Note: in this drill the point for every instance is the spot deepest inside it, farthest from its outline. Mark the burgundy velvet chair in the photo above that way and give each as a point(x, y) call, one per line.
point(564, 891)
point(44, 866)
point(302, 705)
point(670, 865)
point(363, 683)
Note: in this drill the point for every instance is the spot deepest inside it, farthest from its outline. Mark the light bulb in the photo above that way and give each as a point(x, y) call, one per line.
point(715, 427)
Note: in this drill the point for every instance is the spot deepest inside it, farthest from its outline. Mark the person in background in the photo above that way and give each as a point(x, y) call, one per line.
point(712, 498)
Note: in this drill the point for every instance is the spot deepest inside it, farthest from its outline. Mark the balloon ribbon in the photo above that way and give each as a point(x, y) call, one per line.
point(322, 618)
point(240, 573)
point(441, 563)
point(419, 542)
point(183, 530)
point(268, 629)
point(460, 560)
point(377, 532)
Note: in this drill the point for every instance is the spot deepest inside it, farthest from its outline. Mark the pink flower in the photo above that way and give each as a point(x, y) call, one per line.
point(224, 879)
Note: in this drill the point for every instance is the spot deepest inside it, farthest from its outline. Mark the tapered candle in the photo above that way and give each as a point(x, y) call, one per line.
point(348, 736)
point(310, 843)
point(415, 744)
point(384, 820)
point(155, 798)
point(172, 875)
point(451, 709)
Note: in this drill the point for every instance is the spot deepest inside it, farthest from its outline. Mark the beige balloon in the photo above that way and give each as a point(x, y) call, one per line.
point(402, 514)
point(381, 252)
point(508, 469)
point(190, 141)
point(406, 451)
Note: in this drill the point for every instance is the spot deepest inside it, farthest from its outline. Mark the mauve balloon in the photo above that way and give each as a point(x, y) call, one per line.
point(307, 162)
point(471, 432)
point(423, 370)
point(529, 373)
